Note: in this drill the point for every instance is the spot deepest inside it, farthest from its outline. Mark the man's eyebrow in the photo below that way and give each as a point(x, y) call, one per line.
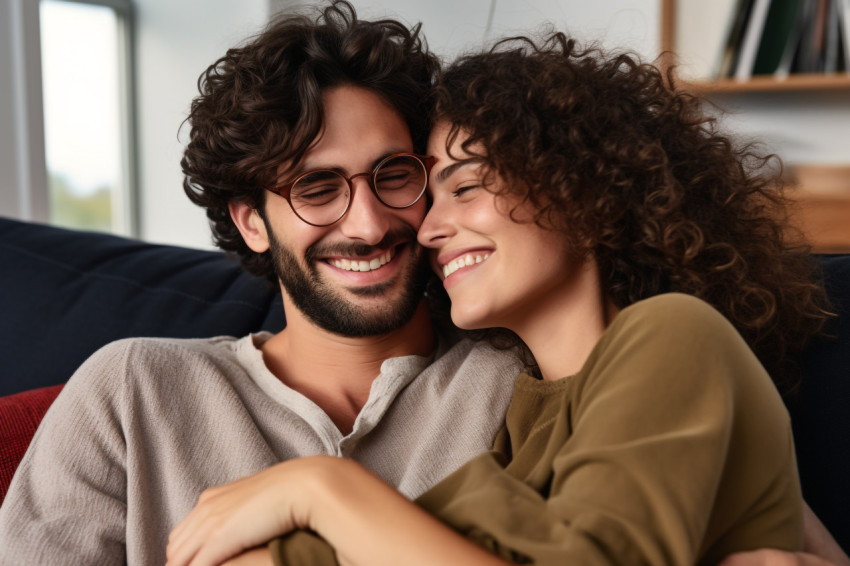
point(444, 174)
point(302, 169)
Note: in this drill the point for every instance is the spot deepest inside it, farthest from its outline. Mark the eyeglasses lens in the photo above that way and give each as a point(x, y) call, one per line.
point(400, 181)
point(320, 197)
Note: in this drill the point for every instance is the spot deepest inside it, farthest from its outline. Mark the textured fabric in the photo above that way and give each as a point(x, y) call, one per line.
point(146, 424)
point(77, 291)
point(671, 446)
point(19, 417)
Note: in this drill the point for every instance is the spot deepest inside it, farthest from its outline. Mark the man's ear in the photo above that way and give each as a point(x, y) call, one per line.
point(250, 225)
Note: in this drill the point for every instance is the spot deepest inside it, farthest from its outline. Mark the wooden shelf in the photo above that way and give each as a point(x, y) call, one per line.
point(824, 218)
point(794, 83)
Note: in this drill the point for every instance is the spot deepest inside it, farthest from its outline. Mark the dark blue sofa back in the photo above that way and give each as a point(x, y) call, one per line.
point(63, 294)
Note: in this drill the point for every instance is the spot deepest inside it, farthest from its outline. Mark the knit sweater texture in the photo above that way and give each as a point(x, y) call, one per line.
point(145, 425)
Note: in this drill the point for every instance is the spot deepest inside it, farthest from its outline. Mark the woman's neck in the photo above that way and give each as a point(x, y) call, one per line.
point(564, 328)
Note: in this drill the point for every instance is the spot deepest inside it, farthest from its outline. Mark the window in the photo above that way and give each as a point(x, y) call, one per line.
point(87, 118)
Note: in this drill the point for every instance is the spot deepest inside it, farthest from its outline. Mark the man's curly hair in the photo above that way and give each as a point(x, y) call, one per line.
point(261, 106)
point(638, 177)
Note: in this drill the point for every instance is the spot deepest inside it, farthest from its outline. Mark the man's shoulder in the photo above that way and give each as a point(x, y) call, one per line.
point(468, 350)
point(141, 349)
point(132, 361)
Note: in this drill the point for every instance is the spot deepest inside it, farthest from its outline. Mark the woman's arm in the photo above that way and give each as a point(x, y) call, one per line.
point(365, 520)
point(820, 549)
point(819, 542)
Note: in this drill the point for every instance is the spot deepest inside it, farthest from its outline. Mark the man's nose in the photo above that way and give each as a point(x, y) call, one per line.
point(367, 219)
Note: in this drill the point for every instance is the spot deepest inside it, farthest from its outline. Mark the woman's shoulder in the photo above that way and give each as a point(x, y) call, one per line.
point(676, 338)
point(670, 306)
point(672, 315)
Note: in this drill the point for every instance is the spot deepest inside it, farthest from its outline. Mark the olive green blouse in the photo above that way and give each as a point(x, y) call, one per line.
point(670, 446)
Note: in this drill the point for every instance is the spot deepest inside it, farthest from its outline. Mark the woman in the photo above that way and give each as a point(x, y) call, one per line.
point(583, 204)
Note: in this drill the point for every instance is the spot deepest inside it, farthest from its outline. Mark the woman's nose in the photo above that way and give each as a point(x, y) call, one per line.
point(436, 227)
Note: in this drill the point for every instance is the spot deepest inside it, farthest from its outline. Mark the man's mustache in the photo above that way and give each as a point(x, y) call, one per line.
point(402, 235)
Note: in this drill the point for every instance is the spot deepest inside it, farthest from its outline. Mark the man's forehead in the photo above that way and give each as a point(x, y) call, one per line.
point(359, 129)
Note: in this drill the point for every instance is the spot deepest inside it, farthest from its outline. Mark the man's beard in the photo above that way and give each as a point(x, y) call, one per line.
point(329, 310)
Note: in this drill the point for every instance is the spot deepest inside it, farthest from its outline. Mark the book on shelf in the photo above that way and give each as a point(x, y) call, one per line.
point(832, 39)
point(782, 37)
point(779, 33)
point(751, 40)
point(844, 34)
point(734, 35)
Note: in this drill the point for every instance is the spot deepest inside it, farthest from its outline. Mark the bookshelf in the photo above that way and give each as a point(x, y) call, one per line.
point(758, 83)
point(821, 208)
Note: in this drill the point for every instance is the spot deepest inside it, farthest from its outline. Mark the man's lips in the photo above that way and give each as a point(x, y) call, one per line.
point(362, 264)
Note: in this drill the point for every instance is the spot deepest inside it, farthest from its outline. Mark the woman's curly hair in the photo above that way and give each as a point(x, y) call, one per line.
point(260, 106)
point(638, 177)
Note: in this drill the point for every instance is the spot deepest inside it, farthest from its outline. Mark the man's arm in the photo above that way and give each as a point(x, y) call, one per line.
point(66, 503)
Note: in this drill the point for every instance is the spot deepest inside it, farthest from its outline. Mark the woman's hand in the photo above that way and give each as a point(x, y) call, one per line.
point(770, 557)
point(249, 512)
point(820, 549)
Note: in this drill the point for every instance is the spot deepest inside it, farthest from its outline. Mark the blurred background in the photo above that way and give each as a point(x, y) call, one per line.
point(94, 92)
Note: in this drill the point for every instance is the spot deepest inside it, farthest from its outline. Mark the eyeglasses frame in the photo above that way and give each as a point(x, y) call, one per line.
point(285, 189)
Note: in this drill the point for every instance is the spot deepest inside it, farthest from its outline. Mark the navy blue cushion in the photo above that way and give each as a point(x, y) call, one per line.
point(820, 412)
point(65, 293)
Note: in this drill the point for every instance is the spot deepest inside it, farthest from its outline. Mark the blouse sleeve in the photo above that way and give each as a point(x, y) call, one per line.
point(302, 548)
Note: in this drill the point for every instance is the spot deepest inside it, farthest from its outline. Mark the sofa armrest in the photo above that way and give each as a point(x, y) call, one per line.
point(22, 413)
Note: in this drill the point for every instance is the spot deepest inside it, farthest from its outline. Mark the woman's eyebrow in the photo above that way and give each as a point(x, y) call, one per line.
point(444, 174)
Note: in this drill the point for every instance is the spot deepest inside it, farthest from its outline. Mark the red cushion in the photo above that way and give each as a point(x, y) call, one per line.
point(19, 417)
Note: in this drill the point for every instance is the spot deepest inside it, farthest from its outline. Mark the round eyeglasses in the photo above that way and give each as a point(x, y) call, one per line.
point(323, 196)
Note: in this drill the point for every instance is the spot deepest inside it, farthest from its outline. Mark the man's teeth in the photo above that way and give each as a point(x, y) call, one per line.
point(362, 265)
point(463, 261)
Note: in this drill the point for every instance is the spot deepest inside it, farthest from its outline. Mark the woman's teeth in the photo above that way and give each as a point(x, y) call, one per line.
point(362, 265)
point(462, 261)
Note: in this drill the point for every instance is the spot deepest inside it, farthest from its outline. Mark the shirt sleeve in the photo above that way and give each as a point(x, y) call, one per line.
point(674, 448)
point(67, 498)
point(302, 548)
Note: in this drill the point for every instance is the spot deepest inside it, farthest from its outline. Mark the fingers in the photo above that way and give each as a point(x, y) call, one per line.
point(210, 533)
point(251, 511)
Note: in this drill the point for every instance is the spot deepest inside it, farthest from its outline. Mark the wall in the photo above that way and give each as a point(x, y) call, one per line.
point(175, 42)
point(452, 27)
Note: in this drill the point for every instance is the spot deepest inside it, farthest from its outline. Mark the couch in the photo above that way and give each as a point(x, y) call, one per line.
point(65, 293)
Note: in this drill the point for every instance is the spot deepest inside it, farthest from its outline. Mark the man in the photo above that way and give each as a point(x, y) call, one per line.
point(303, 151)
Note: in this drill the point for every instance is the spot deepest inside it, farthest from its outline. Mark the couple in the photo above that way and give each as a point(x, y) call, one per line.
point(600, 204)
point(580, 203)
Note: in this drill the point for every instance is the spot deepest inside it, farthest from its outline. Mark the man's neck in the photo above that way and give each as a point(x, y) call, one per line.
point(336, 372)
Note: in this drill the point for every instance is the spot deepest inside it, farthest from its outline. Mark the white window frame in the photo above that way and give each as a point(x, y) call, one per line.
point(23, 167)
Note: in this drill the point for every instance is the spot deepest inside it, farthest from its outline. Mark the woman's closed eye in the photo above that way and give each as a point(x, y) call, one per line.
point(465, 192)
